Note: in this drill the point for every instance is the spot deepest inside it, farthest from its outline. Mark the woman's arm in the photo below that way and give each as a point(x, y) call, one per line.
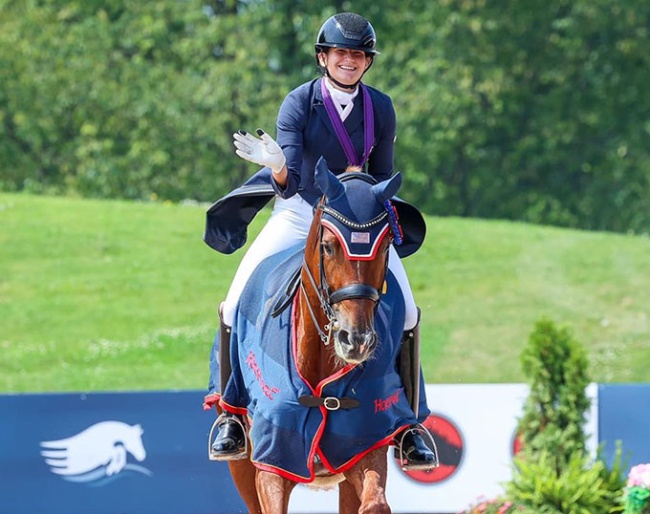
point(381, 162)
point(292, 119)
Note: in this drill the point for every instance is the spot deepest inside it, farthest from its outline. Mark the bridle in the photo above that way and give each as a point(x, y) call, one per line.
point(328, 298)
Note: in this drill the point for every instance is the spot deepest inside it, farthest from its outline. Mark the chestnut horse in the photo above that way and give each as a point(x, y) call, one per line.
point(333, 316)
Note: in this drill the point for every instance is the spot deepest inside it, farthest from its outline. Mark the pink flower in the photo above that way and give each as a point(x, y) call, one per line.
point(639, 476)
point(504, 508)
point(493, 506)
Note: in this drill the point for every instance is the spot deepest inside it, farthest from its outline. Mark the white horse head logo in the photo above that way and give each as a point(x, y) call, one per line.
point(97, 452)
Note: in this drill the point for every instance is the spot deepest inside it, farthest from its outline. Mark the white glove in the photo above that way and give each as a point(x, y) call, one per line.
point(264, 151)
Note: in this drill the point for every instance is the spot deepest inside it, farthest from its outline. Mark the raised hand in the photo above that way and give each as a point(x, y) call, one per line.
point(263, 150)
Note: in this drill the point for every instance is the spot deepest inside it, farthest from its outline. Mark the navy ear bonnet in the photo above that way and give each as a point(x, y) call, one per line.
point(358, 210)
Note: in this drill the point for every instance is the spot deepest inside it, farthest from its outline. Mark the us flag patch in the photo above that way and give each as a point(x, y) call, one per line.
point(360, 237)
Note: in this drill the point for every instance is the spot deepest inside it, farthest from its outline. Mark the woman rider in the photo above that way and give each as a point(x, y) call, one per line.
point(345, 49)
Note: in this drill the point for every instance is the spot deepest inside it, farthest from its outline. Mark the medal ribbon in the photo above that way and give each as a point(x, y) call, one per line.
point(342, 133)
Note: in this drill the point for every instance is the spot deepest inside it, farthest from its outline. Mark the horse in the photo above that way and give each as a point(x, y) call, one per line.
point(110, 442)
point(333, 300)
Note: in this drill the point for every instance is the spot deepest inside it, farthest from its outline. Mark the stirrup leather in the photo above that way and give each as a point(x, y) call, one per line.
point(403, 460)
point(243, 454)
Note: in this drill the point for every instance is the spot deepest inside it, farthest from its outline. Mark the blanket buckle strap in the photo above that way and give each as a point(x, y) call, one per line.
point(330, 402)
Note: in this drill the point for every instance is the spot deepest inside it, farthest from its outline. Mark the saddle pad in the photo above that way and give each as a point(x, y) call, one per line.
point(265, 385)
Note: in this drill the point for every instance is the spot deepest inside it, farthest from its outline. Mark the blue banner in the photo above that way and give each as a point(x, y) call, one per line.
point(146, 452)
point(624, 415)
point(110, 453)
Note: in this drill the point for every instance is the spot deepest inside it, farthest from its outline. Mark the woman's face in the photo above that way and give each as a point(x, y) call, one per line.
point(345, 65)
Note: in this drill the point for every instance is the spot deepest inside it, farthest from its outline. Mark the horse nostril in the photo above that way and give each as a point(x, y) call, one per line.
point(344, 338)
point(368, 343)
point(362, 340)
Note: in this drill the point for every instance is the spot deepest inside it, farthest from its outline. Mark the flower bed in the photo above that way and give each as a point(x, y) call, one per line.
point(637, 490)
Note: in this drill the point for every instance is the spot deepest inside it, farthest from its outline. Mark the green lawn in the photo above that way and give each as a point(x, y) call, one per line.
point(113, 295)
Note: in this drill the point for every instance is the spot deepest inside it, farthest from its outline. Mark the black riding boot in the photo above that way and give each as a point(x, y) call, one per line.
point(230, 442)
point(410, 446)
point(413, 452)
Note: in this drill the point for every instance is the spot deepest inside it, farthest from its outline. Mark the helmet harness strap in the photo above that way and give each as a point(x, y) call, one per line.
point(352, 87)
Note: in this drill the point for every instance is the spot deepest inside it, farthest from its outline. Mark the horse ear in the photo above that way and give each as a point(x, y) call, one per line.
point(388, 188)
point(327, 181)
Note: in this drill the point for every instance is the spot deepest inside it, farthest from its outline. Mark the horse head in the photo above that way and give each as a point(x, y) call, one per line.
point(132, 440)
point(347, 256)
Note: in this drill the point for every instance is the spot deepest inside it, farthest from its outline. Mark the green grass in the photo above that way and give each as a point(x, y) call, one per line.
point(110, 295)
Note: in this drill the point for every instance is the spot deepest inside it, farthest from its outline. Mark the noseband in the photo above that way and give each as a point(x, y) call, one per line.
point(328, 298)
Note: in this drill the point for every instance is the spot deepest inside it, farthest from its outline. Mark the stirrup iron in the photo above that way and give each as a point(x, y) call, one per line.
point(235, 456)
point(403, 461)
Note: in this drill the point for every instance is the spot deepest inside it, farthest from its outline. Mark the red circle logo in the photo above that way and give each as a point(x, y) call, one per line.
point(449, 442)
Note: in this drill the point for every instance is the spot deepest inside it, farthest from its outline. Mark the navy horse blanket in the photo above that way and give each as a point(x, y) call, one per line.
point(265, 384)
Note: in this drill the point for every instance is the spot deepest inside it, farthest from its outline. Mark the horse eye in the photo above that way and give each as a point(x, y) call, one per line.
point(328, 248)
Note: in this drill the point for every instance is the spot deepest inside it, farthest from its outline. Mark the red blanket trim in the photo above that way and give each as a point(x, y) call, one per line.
point(233, 409)
point(341, 469)
point(283, 473)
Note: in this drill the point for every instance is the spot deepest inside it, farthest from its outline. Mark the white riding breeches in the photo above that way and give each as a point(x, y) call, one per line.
point(288, 225)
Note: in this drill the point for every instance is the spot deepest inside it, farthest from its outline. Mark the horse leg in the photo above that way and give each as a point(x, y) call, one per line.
point(368, 478)
point(348, 500)
point(243, 474)
point(274, 492)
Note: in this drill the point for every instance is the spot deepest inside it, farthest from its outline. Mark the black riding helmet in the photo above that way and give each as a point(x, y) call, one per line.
point(347, 30)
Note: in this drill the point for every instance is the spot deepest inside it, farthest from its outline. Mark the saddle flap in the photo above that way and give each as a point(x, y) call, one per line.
point(285, 298)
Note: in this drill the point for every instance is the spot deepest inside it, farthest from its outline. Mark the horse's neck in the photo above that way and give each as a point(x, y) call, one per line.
point(315, 360)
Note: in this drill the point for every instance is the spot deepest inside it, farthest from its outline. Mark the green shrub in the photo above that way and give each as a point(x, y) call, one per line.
point(555, 409)
point(581, 487)
point(554, 474)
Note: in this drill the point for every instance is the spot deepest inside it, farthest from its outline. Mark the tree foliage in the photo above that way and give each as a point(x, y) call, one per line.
point(553, 474)
point(533, 111)
point(555, 410)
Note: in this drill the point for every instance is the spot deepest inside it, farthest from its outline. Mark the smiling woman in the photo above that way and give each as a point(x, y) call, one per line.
point(344, 67)
point(345, 49)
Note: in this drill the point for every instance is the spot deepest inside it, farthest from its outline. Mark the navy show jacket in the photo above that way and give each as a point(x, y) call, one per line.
point(305, 133)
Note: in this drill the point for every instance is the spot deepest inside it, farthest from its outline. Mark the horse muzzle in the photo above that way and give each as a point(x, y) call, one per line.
point(354, 346)
point(355, 340)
